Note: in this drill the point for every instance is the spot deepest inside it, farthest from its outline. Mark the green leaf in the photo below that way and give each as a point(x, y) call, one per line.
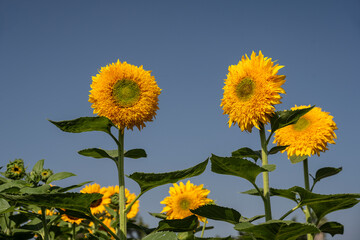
point(148, 181)
point(13, 184)
point(159, 215)
point(73, 201)
point(59, 176)
point(99, 153)
point(135, 153)
point(215, 238)
point(84, 124)
point(332, 228)
point(218, 213)
point(269, 167)
point(326, 172)
point(257, 217)
point(236, 166)
point(296, 159)
point(33, 190)
point(38, 167)
point(179, 225)
point(285, 118)
point(277, 149)
point(247, 153)
point(277, 230)
point(4, 205)
point(55, 189)
point(161, 236)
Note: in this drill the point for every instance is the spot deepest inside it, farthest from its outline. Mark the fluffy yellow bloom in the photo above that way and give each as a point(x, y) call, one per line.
point(98, 205)
point(129, 198)
point(309, 135)
point(251, 90)
point(71, 219)
point(183, 198)
point(125, 94)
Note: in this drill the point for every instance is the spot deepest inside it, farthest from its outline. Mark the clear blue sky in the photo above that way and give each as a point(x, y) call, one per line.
point(50, 49)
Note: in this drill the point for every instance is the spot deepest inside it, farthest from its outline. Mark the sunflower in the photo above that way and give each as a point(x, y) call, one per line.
point(71, 219)
point(107, 222)
point(125, 94)
point(114, 191)
point(45, 174)
point(15, 170)
point(98, 205)
point(48, 212)
point(309, 135)
point(251, 90)
point(183, 198)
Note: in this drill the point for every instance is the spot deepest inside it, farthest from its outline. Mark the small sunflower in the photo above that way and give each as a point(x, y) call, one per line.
point(45, 174)
point(71, 219)
point(309, 135)
point(98, 205)
point(251, 90)
point(114, 195)
point(183, 198)
point(125, 94)
point(15, 170)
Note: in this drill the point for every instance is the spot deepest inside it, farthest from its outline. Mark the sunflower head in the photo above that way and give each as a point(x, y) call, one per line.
point(125, 94)
point(251, 90)
point(15, 170)
point(310, 135)
point(70, 219)
point(97, 206)
point(183, 198)
point(45, 174)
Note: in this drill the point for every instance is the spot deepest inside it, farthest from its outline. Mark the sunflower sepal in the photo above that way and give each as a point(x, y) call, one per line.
point(246, 152)
point(285, 118)
point(296, 159)
point(84, 124)
point(148, 181)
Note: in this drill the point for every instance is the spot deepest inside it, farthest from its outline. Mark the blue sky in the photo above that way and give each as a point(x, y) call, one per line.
point(50, 49)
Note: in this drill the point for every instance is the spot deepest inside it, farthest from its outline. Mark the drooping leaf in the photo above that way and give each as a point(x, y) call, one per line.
point(277, 230)
point(148, 181)
point(277, 149)
point(59, 176)
point(84, 124)
point(99, 153)
point(296, 159)
point(285, 118)
point(236, 166)
point(218, 213)
point(4, 205)
point(247, 153)
point(332, 228)
point(179, 225)
point(161, 236)
point(73, 201)
point(38, 167)
point(135, 153)
point(326, 172)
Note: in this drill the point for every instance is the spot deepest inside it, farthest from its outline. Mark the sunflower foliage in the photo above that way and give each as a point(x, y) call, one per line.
point(125, 96)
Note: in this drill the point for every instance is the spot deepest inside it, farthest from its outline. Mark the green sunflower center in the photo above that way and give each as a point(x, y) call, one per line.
point(184, 204)
point(301, 124)
point(245, 89)
point(126, 93)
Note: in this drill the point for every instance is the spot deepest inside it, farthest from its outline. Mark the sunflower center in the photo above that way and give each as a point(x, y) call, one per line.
point(16, 170)
point(245, 89)
point(96, 203)
point(184, 204)
point(126, 93)
point(301, 124)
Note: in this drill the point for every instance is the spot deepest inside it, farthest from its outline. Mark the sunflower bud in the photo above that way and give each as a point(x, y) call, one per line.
point(114, 201)
point(45, 174)
point(33, 178)
point(15, 170)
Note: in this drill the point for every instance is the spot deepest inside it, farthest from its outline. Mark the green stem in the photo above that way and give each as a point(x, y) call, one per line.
point(266, 187)
point(43, 219)
point(307, 187)
point(73, 231)
point(128, 208)
point(203, 229)
point(98, 221)
point(290, 211)
point(120, 167)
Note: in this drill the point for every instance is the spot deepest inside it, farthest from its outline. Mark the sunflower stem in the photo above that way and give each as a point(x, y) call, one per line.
point(307, 187)
point(128, 208)
point(264, 158)
point(203, 229)
point(120, 167)
point(43, 219)
point(73, 231)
